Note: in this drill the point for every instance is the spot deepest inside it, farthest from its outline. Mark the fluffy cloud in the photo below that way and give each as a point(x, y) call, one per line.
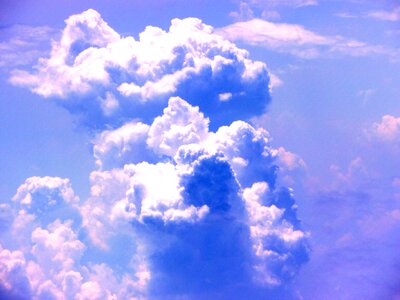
point(192, 195)
point(388, 129)
point(13, 281)
point(181, 124)
point(41, 201)
point(185, 202)
point(113, 148)
point(112, 77)
point(204, 215)
point(277, 240)
point(48, 264)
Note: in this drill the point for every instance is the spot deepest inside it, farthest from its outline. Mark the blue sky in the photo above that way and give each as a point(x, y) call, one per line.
point(166, 161)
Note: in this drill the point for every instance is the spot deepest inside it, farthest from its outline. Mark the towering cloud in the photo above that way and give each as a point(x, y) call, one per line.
point(178, 207)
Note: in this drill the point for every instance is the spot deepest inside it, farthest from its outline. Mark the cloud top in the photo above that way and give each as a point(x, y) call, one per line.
point(98, 72)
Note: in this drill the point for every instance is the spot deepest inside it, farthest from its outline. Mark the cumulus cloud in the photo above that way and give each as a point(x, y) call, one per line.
point(47, 231)
point(181, 124)
point(296, 40)
point(178, 207)
point(203, 214)
point(388, 129)
point(114, 77)
point(195, 185)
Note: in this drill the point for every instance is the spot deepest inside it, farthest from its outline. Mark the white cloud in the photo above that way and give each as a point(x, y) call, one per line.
point(293, 3)
point(197, 179)
point(278, 36)
point(298, 41)
point(266, 9)
point(290, 160)
point(245, 12)
point(388, 129)
point(247, 149)
point(268, 223)
point(13, 279)
point(57, 189)
point(275, 81)
point(127, 144)
point(48, 264)
point(22, 45)
point(384, 15)
point(115, 76)
point(57, 246)
point(226, 96)
point(109, 104)
point(175, 207)
point(187, 200)
point(274, 34)
point(180, 124)
point(366, 94)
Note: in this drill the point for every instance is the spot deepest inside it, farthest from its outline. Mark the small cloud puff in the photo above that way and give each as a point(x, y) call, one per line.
point(388, 130)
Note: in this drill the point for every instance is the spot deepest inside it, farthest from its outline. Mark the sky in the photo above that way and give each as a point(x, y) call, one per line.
point(199, 149)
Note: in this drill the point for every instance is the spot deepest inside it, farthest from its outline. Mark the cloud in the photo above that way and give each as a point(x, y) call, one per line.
point(195, 198)
point(251, 9)
point(204, 215)
point(185, 202)
point(282, 37)
point(353, 217)
point(380, 15)
point(275, 81)
point(22, 45)
point(366, 94)
point(383, 15)
point(245, 12)
point(47, 231)
point(290, 160)
point(107, 77)
point(113, 148)
point(13, 281)
point(298, 41)
point(388, 130)
point(293, 3)
point(180, 124)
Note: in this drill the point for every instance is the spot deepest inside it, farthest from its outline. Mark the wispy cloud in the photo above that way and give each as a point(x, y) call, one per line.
point(249, 9)
point(292, 3)
point(384, 15)
point(22, 45)
point(296, 40)
point(381, 15)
